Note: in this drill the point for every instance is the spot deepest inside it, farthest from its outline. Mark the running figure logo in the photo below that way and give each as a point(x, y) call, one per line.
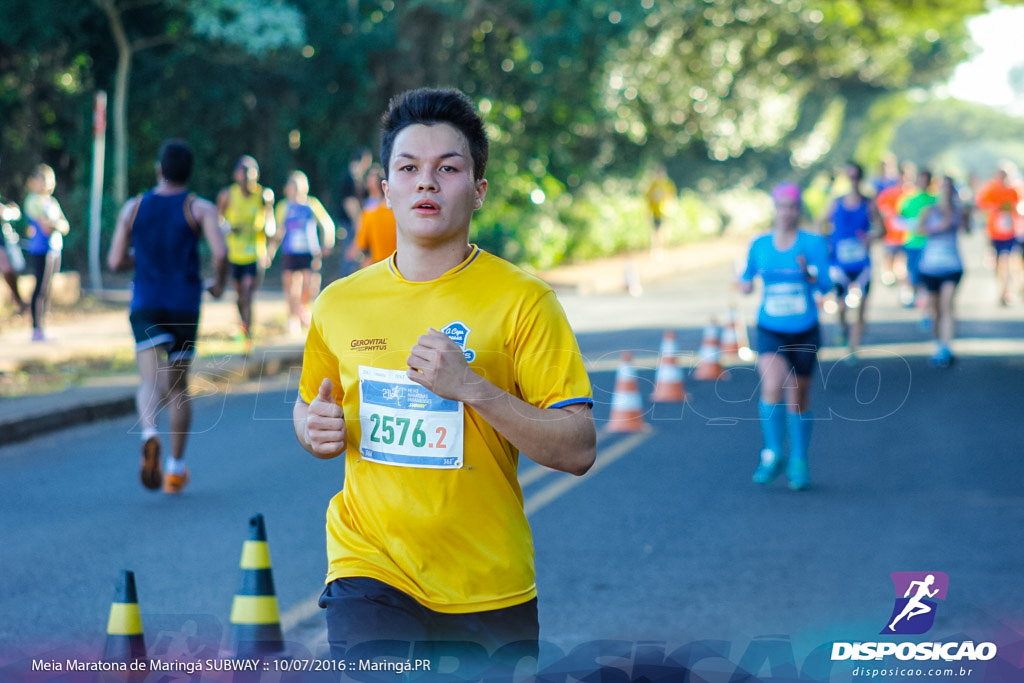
point(914, 612)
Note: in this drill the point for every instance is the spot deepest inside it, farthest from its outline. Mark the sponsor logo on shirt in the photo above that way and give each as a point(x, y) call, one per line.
point(369, 344)
point(458, 332)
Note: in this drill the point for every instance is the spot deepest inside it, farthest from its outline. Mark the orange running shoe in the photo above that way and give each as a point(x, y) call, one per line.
point(174, 483)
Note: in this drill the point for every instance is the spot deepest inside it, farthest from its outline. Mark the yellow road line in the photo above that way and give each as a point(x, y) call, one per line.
point(604, 459)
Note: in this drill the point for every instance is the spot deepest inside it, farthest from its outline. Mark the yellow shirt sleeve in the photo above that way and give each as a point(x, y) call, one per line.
point(318, 363)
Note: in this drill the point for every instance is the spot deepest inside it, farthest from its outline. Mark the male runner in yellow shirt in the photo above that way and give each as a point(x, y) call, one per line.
point(660, 193)
point(248, 210)
point(453, 362)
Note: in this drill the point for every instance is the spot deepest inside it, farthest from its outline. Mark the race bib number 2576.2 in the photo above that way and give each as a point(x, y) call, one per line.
point(405, 424)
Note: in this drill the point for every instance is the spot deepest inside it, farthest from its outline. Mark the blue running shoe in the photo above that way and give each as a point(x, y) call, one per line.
point(770, 467)
point(798, 475)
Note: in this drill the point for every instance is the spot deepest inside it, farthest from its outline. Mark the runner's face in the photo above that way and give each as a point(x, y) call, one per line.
point(430, 185)
point(787, 213)
point(246, 176)
point(43, 182)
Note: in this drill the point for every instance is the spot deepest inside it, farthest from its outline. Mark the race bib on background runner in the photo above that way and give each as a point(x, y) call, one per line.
point(940, 256)
point(785, 299)
point(407, 425)
point(851, 251)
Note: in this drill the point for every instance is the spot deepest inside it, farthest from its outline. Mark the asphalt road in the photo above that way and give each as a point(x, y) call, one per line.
point(665, 552)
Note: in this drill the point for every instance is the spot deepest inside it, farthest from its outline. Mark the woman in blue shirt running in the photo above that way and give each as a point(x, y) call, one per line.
point(792, 265)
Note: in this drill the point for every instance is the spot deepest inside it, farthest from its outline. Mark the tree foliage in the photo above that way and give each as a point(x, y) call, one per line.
point(959, 138)
point(580, 96)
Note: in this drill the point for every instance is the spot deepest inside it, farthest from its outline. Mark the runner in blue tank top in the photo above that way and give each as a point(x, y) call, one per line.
point(792, 265)
point(158, 234)
point(849, 242)
point(166, 243)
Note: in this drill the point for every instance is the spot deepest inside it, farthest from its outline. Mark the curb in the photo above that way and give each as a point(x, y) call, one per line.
point(24, 428)
point(229, 370)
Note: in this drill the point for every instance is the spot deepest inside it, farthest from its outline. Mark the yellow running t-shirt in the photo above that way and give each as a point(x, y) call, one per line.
point(432, 504)
point(246, 214)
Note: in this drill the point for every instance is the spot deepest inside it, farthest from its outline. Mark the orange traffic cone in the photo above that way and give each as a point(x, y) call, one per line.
point(668, 380)
point(255, 620)
point(125, 641)
point(730, 340)
point(627, 406)
point(709, 361)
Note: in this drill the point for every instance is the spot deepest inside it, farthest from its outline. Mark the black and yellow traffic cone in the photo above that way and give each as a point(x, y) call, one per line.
point(255, 620)
point(125, 641)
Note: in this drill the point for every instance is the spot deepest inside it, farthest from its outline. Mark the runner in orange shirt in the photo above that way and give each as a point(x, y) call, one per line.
point(376, 237)
point(999, 200)
point(887, 203)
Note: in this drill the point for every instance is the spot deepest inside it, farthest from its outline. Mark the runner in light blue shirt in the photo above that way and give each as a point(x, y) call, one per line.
point(792, 265)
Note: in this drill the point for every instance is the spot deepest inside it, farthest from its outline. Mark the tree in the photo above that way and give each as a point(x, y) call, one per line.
point(579, 96)
point(959, 138)
point(126, 48)
point(754, 82)
point(255, 26)
point(45, 71)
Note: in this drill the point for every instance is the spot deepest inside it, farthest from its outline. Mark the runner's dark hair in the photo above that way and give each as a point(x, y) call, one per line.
point(430, 106)
point(176, 161)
